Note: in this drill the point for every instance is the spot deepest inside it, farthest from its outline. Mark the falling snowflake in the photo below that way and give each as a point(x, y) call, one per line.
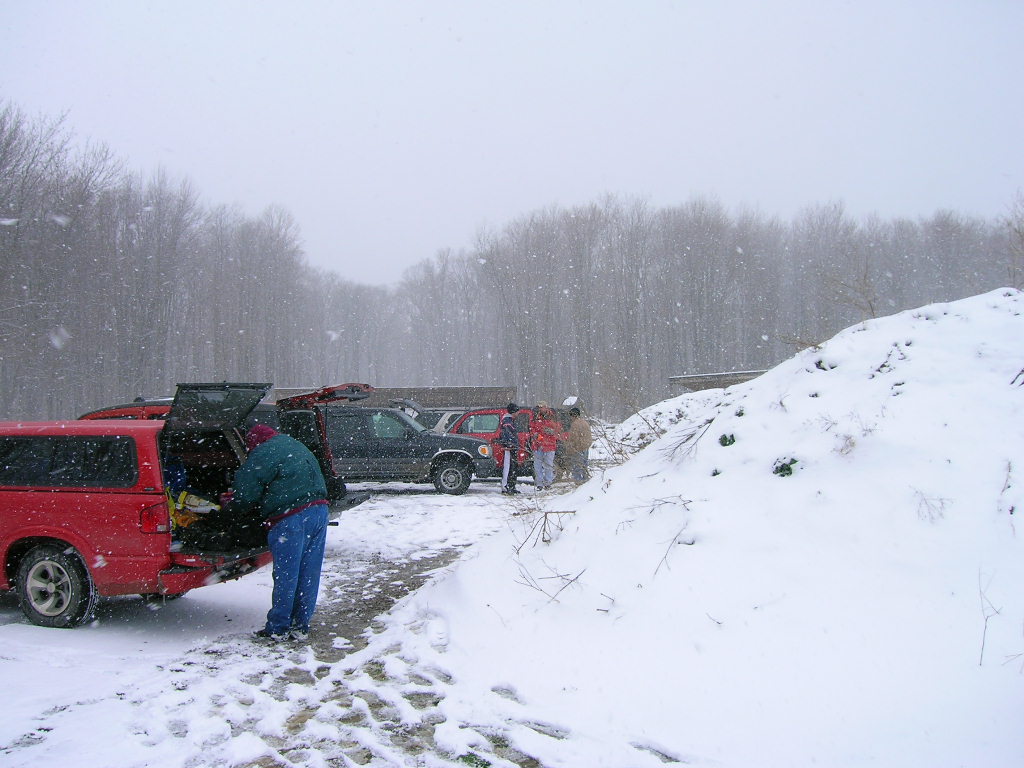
point(59, 337)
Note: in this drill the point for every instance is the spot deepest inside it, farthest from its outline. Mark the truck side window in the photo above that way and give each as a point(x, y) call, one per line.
point(106, 461)
point(68, 462)
point(25, 461)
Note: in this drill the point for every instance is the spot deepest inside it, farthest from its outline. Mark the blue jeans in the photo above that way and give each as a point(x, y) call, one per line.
point(578, 466)
point(297, 544)
point(543, 468)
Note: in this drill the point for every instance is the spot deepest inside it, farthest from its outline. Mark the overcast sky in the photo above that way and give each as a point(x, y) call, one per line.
point(392, 130)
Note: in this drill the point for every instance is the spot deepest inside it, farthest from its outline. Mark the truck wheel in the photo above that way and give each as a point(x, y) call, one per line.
point(452, 476)
point(54, 587)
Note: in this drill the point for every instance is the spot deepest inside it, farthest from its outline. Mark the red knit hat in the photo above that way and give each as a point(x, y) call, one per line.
point(258, 435)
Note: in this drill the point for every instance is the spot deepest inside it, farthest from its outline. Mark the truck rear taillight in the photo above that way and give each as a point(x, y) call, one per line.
point(155, 519)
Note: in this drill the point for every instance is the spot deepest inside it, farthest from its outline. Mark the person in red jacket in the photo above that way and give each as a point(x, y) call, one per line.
point(545, 432)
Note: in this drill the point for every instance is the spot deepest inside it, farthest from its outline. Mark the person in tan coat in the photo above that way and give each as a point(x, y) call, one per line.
point(578, 445)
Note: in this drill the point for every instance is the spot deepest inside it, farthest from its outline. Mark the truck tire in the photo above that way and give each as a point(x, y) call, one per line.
point(452, 476)
point(54, 587)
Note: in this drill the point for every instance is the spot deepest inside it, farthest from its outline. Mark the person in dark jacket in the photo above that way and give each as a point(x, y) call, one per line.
point(281, 481)
point(508, 440)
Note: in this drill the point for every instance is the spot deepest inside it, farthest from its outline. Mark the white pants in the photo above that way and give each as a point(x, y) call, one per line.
point(507, 472)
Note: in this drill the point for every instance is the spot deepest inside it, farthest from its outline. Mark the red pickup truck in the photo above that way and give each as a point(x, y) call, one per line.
point(86, 506)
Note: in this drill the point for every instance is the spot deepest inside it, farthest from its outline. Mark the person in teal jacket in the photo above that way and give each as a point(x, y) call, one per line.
point(281, 483)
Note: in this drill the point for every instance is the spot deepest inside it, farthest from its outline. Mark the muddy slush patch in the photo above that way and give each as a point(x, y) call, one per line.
point(353, 595)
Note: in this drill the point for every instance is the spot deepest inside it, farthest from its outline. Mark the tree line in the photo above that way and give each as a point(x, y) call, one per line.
point(116, 286)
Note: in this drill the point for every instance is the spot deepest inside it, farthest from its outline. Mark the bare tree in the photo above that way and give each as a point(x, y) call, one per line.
point(116, 286)
point(1014, 223)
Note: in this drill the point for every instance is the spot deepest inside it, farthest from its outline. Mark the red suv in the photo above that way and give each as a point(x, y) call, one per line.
point(484, 423)
point(86, 506)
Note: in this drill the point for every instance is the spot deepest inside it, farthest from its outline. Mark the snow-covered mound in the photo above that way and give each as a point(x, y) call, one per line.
point(643, 428)
point(821, 566)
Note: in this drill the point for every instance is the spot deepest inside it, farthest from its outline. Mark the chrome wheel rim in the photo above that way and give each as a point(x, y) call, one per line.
point(49, 588)
point(451, 478)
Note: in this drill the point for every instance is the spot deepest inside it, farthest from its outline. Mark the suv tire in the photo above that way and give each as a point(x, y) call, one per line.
point(54, 587)
point(452, 476)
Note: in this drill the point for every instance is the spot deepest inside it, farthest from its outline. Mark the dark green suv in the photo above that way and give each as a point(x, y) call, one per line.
point(372, 444)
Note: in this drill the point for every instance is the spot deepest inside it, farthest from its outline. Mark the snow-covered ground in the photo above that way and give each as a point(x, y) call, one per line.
point(819, 567)
point(161, 685)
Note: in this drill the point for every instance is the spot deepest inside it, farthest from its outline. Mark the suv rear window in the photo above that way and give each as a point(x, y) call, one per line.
point(346, 426)
point(68, 462)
